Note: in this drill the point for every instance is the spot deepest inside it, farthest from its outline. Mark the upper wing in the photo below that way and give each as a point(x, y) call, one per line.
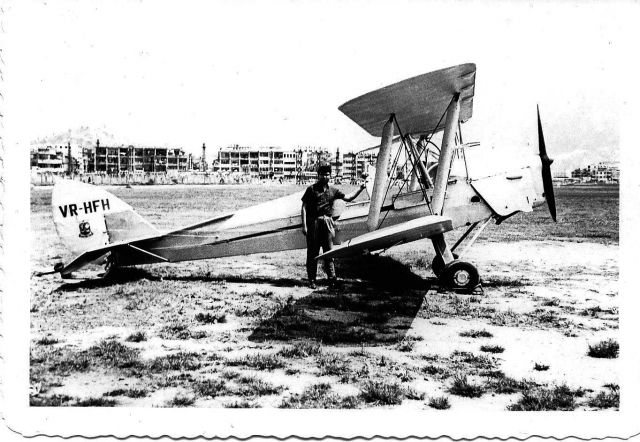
point(412, 230)
point(418, 103)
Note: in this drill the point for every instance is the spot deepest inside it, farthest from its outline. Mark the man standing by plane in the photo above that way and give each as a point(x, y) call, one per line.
point(317, 224)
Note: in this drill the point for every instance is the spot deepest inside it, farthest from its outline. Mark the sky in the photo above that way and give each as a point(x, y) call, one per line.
point(274, 72)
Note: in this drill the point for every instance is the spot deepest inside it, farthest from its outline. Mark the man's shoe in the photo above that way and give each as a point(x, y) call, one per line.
point(312, 284)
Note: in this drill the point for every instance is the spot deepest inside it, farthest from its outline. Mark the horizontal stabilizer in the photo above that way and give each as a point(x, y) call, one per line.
point(85, 258)
point(92, 255)
point(408, 231)
point(418, 103)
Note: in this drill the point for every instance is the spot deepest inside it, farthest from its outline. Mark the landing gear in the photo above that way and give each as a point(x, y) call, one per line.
point(437, 265)
point(460, 275)
point(58, 267)
point(110, 263)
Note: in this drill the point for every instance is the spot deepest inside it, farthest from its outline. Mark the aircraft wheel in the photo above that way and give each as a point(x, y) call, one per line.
point(460, 275)
point(437, 265)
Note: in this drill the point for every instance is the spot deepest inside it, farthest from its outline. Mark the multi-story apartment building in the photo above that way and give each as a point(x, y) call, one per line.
point(262, 162)
point(48, 159)
point(119, 159)
point(602, 172)
point(355, 165)
point(54, 159)
point(108, 159)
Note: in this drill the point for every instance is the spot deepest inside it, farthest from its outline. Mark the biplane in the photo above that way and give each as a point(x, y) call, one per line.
point(442, 188)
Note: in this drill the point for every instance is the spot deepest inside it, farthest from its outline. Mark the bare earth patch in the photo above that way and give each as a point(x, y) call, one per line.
point(247, 332)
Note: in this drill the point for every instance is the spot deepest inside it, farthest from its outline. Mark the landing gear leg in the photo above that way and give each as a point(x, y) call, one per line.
point(109, 265)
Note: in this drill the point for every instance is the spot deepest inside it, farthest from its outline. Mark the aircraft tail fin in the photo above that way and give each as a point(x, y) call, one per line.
point(87, 217)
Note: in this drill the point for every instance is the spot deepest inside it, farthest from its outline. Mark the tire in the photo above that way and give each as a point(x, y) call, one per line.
point(437, 265)
point(460, 275)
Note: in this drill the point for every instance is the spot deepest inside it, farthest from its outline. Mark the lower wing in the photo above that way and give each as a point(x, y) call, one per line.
point(413, 230)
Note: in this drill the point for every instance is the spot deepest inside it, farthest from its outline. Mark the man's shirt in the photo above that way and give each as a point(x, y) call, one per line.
point(319, 200)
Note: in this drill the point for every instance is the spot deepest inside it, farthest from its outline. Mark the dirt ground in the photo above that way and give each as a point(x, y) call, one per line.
point(541, 333)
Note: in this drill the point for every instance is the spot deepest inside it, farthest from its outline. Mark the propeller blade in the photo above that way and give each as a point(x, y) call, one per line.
point(547, 180)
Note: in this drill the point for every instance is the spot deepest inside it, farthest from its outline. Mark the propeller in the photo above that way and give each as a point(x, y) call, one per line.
point(547, 182)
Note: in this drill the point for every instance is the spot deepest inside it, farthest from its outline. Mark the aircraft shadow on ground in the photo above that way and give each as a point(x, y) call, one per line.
point(375, 304)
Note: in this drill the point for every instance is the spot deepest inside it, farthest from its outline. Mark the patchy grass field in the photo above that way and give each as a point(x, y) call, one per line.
point(246, 332)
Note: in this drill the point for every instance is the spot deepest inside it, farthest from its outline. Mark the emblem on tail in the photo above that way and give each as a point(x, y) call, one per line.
point(85, 229)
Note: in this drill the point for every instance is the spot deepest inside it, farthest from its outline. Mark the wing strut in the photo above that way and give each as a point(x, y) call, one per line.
point(446, 154)
point(444, 167)
point(380, 181)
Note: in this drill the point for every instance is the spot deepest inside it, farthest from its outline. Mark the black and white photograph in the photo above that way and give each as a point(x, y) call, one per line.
point(319, 218)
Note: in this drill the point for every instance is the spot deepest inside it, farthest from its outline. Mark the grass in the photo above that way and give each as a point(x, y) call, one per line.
point(181, 361)
point(138, 336)
point(301, 349)
point(477, 361)
point(46, 340)
point(476, 334)
point(604, 349)
point(241, 404)
point(499, 281)
point(195, 285)
point(181, 400)
point(405, 346)
point(56, 400)
point(492, 349)
point(559, 398)
point(320, 396)
point(133, 393)
point(434, 370)
point(229, 375)
point(96, 402)
point(251, 386)
point(462, 387)
point(606, 399)
point(258, 361)
point(382, 393)
point(413, 394)
point(180, 331)
point(332, 364)
point(71, 363)
point(554, 302)
point(210, 387)
point(115, 354)
point(439, 403)
point(209, 318)
point(507, 385)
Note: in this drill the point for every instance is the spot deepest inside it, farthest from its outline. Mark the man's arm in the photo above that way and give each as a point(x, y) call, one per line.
point(354, 195)
point(303, 215)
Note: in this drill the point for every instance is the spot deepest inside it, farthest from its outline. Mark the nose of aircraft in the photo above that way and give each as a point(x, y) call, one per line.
point(547, 181)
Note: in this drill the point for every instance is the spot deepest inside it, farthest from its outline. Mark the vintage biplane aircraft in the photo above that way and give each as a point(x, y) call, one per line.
point(441, 190)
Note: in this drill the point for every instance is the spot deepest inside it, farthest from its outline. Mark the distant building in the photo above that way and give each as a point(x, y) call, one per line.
point(261, 162)
point(602, 172)
point(54, 159)
point(110, 159)
point(118, 159)
point(355, 165)
point(48, 158)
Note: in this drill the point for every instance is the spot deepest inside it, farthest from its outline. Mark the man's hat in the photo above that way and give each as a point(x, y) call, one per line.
point(324, 168)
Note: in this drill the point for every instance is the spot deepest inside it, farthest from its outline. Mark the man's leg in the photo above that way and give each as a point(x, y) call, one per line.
point(313, 249)
point(327, 244)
